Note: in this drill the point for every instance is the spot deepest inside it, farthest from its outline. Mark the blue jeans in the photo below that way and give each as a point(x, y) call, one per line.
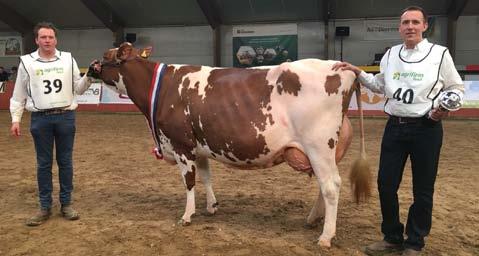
point(47, 130)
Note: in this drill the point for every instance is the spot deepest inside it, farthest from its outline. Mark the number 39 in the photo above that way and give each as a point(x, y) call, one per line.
point(57, 83)
point(405, 97)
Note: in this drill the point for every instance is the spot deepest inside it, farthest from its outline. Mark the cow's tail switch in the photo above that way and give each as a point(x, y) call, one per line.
point(360, 175)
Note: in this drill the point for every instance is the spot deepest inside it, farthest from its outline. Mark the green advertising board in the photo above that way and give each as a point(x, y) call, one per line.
point(260, 46)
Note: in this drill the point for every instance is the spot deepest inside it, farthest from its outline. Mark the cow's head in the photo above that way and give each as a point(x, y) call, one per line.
point(113, 59)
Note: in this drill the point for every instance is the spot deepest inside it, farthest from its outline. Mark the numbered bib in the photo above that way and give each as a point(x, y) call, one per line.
point(412, 85)
point(51, 83)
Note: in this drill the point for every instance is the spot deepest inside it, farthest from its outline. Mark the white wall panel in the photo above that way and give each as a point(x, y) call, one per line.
point(177, 45)
point(194, 44)
point(359, 51)
point(85, 45)
point(311, 42)
point(467, 40)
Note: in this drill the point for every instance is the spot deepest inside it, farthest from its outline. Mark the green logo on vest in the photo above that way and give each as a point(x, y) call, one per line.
point(396, 75)
point(411, 75)
point(45, 71)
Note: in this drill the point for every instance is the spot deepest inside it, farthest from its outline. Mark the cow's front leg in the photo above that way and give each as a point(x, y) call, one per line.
point(205, 174)
point(326, 171)
point(188, 171)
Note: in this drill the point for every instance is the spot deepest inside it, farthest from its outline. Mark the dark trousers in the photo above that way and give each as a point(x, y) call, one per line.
point(421, 141)
point(47, 131)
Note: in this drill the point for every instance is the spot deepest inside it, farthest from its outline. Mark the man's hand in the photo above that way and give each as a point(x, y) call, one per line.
point(438, 114)
point(94, 69)
point(15, 129)
point(346, 66)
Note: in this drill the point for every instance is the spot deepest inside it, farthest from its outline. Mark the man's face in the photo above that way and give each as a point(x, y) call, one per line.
point(46, 40)
point(411, 28)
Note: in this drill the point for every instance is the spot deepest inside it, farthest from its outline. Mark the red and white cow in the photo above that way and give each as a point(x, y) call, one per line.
point(246, 118)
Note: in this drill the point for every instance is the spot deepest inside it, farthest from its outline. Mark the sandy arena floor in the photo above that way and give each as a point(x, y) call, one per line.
point(130, 202)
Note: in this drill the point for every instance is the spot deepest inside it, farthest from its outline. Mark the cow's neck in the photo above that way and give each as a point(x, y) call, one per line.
point(137, 78)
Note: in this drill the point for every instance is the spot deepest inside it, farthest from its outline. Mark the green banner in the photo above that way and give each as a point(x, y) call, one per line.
point(254, 51)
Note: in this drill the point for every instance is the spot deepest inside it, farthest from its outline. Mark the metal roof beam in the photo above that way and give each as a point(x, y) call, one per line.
point(210, 10)
point(454, 11)
point(109, 18)
point(456, 8)
point(104, 13)
point(16, 21)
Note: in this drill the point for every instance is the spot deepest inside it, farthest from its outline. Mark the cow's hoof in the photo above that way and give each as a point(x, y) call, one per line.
point(325, 243)
point(184, 223)
point(211, 211)
point(310, 225)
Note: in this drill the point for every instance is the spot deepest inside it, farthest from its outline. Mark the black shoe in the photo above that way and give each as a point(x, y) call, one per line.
point(382, 247)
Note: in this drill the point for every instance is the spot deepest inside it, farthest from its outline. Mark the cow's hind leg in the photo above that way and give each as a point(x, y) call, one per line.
point(205, 174)
point(188, 171)
point(323, 162)
point(317, 212)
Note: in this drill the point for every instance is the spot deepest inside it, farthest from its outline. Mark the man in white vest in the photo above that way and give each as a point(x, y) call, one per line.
point(415, 77)
point(46, 85)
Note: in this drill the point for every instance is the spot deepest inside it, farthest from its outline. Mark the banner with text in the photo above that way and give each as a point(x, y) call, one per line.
point(264, 44)
point(381, 30)
point(10, 46)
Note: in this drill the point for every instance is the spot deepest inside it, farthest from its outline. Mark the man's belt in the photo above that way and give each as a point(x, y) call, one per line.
point(406, 120)
point(53, 111)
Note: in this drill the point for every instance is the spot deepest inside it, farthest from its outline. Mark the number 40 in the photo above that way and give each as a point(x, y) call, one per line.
point(406, 97)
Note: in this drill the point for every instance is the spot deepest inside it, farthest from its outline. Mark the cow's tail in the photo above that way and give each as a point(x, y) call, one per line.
point(360, 175)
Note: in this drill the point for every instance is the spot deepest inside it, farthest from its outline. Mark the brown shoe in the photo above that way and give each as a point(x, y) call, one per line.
point(69, 213)
point(410, 252)
point(382, 247)
point(39, 218)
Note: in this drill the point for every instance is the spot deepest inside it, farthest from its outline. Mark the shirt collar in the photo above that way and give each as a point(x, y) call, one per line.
point(421, 46)
point(36, 55)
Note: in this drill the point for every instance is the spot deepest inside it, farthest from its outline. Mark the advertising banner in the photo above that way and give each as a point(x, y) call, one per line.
point(3, 87)
point(369, 100)
point(109, 96)
point(264, 45)
point(471, 96)
point(10, 46)
point(91, 96)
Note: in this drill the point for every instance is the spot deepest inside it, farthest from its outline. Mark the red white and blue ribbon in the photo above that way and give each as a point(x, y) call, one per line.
point(154, 96)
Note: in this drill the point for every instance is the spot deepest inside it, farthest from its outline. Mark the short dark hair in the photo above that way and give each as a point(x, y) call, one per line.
point(415, 8)
point(44, 24)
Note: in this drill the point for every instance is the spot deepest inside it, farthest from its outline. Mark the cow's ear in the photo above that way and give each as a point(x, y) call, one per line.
point(146, 52)
point(125, 51)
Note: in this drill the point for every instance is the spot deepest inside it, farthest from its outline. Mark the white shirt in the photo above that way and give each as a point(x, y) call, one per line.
point(448, 78)
point(21, 100)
